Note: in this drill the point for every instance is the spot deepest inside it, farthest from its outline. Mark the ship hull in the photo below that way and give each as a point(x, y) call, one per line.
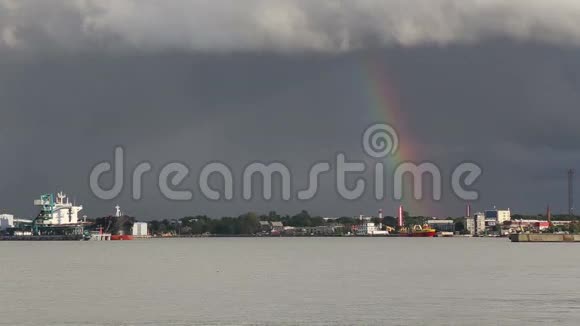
point(121, 237)
point(420, 234)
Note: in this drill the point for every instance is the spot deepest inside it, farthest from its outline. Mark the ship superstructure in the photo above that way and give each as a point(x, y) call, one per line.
point(59, 211)
point(58, 216)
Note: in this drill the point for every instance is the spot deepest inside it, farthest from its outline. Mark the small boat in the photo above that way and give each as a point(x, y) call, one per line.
point(418, 231)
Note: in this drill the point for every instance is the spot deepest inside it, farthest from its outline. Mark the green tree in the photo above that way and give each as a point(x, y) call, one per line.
point(273, 216)
point(248, 223)
point(390, 221)
point(301, 219)
point(459, 225)
point(377, 220)
point(574, 227)
point(316, 221)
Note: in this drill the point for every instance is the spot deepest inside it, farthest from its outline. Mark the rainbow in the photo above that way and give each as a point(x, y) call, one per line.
point(385, 107)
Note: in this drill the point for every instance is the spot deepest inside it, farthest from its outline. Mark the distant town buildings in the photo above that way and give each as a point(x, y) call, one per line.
point(470, 225)
point(58, 213)
point(475, 224)
point(277, 226)
point(369, 228)
point(265, 226)
point(323, 230)
point(271, 227)
point(497, 216)
point(522, 225)
point(479, 220)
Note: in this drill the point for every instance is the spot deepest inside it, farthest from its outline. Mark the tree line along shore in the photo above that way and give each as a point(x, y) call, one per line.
point(252, 223)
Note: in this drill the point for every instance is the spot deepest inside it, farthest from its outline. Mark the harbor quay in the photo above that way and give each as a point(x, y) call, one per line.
point(544, 237)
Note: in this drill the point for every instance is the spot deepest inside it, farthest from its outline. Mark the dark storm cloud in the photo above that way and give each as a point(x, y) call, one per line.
point(493, 82)
point(512, 108)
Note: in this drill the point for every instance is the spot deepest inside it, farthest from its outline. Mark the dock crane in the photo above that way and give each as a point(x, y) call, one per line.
point(46, 202)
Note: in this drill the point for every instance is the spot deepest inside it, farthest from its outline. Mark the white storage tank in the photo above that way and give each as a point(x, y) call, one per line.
point(140, 229)
point(6, 221)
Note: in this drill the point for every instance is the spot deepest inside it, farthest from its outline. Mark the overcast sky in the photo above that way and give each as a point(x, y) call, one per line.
point(495, 82)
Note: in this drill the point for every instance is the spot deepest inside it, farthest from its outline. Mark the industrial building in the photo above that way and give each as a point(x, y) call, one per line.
point(523, 225)
point(6, 221)
point(370, 228)
point(475, 224)
point(140, 230)
point(497, 216)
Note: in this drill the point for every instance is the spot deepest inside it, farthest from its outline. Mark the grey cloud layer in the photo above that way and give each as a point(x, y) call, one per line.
point(280, 25)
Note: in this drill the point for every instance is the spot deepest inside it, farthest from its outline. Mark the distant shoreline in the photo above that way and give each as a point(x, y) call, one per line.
point(307, 236)
point(79, 238)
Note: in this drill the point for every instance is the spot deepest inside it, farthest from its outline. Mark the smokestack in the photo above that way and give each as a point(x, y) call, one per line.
point(400, 220)
point(468, 210)
point(571, 174)
point(549, 215)
point(381, 213)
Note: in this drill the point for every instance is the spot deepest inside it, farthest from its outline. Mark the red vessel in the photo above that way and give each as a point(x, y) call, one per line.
point(121, 237)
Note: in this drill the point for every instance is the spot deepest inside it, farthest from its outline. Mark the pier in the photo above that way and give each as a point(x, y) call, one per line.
point(544, 237)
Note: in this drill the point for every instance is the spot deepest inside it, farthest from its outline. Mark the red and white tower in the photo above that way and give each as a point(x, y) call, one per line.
point(468, 210)
point(400, 220)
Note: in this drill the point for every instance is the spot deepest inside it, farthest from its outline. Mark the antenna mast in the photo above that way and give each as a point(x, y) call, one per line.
point(571, 174)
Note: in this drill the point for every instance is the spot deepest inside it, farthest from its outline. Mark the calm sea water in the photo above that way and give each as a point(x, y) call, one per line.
point(287, 281)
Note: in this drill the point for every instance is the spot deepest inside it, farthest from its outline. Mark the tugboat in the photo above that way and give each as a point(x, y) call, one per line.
point(418, 231)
